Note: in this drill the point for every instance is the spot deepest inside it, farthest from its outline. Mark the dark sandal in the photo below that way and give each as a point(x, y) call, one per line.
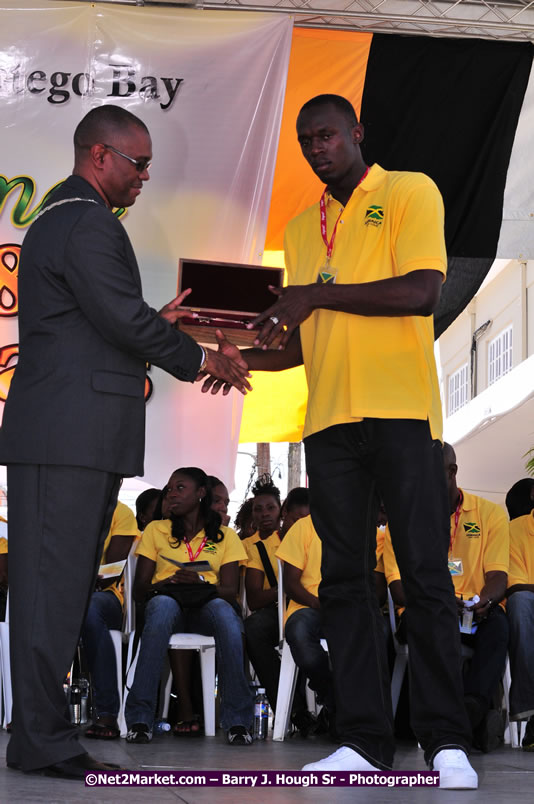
point(186, 728)
point(99, 731)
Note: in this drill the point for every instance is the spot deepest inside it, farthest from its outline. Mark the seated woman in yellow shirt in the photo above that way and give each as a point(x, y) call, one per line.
point(193, 533)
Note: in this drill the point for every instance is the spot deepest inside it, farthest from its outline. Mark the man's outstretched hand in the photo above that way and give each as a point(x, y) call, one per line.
point(172, 312)
point(227, 353)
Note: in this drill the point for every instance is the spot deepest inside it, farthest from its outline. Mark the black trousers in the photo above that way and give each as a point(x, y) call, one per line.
point(486, 667)
point(59, 517)
point(351, 466)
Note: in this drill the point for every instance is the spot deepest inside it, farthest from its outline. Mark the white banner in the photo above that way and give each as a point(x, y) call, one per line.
point(210, 87)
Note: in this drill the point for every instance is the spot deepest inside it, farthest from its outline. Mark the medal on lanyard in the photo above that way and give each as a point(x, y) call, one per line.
point(327, 275)
point(456, 564)
point(193, 556)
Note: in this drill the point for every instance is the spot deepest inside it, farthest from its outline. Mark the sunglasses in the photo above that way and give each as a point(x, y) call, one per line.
point(140, 164)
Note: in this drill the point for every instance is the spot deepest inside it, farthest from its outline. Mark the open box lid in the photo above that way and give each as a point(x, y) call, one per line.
point(225, 296)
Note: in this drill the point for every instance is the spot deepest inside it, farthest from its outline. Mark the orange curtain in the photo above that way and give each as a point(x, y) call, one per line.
point(321, 61)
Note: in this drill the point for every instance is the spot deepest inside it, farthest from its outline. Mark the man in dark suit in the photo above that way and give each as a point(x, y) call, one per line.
point(75, 416)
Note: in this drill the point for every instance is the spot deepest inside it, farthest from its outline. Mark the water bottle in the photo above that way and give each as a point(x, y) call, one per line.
point(161, 727)
point(75, 704)
point(84, 700)
point(261, 715)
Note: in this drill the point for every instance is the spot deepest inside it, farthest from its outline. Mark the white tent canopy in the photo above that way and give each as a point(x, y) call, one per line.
point(506, 20)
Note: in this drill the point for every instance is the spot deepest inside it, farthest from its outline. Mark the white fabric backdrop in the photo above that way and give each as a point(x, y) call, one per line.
point(515, 238)
point(210, 87)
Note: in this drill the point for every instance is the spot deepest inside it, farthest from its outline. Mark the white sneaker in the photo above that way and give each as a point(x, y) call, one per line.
point(344, 759)
point(455, 772)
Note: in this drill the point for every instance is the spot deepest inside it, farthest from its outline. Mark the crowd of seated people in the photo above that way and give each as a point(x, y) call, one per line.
point(491, 561)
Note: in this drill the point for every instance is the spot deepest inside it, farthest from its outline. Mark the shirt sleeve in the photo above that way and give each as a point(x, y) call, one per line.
point(518, 572)
point(123, 522)
point(391, 569)
point(497, 549)
point(420, 238)
point(293, 549)
point(233, 547)
point(147, 545)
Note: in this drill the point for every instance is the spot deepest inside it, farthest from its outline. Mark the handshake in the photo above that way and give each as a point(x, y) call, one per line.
point(224, 368)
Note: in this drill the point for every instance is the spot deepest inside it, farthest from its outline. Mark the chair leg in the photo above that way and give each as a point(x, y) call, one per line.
point(116, 638)
point(207, 670)
point(131, 663)
point(286, 691)
point(6, 674)
point(399, 669)
point(165, 691)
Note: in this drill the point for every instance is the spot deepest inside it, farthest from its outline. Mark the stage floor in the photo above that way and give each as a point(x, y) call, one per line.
point(505, 775)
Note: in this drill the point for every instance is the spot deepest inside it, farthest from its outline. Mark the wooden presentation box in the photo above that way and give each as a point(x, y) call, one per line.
point(226, 296)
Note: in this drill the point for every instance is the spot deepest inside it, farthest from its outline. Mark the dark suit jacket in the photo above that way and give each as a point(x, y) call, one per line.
point(77, 395)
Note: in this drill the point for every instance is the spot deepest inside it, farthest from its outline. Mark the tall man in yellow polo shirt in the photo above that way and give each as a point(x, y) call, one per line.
point(365, 268)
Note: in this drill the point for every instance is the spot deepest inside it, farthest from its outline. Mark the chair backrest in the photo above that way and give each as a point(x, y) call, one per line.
point(128, 623)
point(281, 600)
point(391, 611)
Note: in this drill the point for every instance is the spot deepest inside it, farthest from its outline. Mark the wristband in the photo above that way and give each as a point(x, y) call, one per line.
point(204, 360)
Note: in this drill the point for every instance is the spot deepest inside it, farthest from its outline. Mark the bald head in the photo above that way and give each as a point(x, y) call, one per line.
point(104, 124)
point(337, 101)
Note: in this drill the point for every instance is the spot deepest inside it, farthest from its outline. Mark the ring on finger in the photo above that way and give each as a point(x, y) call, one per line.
point(274, 319)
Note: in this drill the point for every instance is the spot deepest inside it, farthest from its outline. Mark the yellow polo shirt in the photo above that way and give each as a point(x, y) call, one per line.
point(482, 543)
point(365, 366)
point(3, 538)
point(302, 548)
point(156, 542)
point(380, 536)
point(123, 523)
point(522, 550)
point(272, 543)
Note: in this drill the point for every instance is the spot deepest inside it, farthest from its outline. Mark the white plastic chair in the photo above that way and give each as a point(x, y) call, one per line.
point(288, 668)
point(123, 637)
point(205, 646)
point(5, 670)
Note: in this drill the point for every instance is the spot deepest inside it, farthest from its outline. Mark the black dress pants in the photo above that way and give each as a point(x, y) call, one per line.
point(351, 466)
point(59, 517)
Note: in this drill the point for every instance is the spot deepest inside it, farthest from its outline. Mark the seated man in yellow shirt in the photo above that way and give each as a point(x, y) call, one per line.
point(520, 611)
point(261, 580)
point(478, 563)
point(301, 553)
point(105, 614)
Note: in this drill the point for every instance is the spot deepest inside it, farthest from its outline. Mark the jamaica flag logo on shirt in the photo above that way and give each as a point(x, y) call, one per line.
point(472, 530)
point(374, 215)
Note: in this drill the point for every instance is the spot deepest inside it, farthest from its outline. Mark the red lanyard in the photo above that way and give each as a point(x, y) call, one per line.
point(456, 520)
point(324, 234)
point(198, 552)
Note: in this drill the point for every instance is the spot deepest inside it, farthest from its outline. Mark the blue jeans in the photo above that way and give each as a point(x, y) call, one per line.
point(303, 633)
point(103, 615)
point(217, 618)
point(520, 610)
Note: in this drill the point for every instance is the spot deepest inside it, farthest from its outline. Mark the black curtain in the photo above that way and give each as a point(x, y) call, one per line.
point(449, 108)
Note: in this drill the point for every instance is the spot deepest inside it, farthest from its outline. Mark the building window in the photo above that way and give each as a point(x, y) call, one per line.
point(458, 389)
point(500, 355)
